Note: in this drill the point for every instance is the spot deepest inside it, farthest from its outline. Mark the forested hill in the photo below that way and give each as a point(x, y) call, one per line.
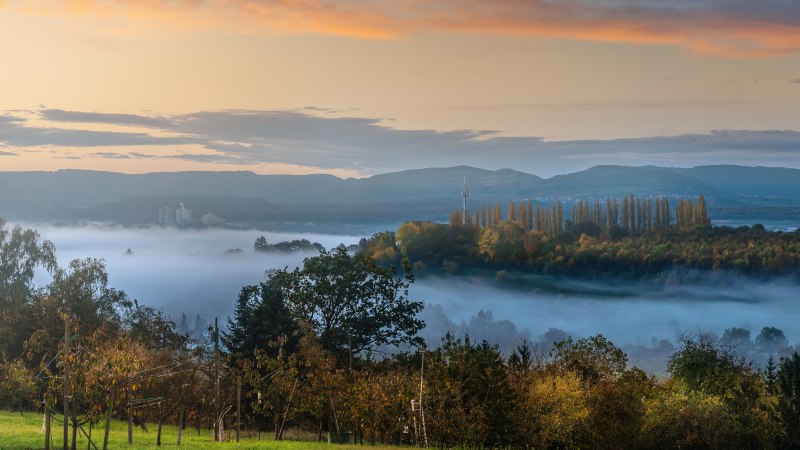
point(423, 194)
point(749, 181)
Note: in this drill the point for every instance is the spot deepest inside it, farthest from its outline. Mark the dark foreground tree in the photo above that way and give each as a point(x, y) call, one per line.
point(262, 321)
point(351, 302)
point(468, 394)
point(788, 383)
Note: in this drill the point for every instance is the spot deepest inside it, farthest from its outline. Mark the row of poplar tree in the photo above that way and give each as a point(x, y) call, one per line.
point(630, 214)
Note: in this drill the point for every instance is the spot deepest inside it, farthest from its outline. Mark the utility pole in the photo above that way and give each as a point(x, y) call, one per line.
point(279, 433)
point(217, 409)
point(422, 411)
point(66, 376)
point(416, 428)
point(464, 195)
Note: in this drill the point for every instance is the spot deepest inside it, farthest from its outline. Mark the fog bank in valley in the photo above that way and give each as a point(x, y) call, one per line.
point(191, 271)
point(642, 318)
point(194, 272)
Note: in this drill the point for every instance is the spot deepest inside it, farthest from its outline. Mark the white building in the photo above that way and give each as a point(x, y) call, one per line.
point(166, 216)
point(211, 219)
point(183, 215)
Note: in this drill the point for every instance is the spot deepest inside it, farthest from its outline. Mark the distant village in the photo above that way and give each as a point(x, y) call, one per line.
point(182, 216)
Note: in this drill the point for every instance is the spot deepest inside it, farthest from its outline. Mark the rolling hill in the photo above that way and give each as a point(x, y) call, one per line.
point(422, 194)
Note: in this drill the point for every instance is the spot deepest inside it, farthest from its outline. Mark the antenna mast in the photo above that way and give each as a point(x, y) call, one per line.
point(464, 196)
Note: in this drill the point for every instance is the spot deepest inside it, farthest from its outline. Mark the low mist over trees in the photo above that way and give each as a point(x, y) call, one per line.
point(316, 348)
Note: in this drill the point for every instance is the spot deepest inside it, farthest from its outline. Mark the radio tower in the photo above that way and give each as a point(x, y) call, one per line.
point(464, 204)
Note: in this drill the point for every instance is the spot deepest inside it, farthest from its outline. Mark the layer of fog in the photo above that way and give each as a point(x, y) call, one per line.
point(643, 318)
point(188, 271)
point(181, 271)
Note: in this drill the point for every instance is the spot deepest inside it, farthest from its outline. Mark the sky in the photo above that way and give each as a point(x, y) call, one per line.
point(355, 88)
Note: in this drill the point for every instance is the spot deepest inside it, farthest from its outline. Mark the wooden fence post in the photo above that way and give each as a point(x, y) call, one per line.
point(108, 417)
point(238, 406)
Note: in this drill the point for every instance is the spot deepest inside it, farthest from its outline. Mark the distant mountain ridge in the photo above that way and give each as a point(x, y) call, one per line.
point(427, 194)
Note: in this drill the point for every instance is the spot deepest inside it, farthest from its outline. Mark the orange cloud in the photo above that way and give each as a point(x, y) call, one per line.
point(738, 29)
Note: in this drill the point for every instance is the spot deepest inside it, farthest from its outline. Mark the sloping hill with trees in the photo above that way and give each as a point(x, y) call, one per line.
point(380, 200)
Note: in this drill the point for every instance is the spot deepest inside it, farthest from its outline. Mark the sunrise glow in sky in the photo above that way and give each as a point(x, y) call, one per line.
point(355, 88)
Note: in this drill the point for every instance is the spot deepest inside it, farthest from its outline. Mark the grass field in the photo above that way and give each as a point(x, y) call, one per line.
point(25, 432)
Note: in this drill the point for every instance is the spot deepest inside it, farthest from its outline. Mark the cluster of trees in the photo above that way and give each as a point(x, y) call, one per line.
point(571, 394)
point(307, 348)
point(85, 352)
point(296, 245)
point(587, 251)
point(631, 215)
point(78, 339)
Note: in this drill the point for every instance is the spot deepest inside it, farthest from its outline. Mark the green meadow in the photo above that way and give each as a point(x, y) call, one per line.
point(25, 432)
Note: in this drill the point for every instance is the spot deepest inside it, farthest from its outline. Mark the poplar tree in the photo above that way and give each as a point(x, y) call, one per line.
point(658, 222)
point(701, 212)
point(529, 216)
point(538, 220)
point(631, 212)
point(625, 212)
point(559, 216)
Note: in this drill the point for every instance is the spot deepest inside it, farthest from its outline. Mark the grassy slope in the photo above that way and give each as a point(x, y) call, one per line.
point(25, 432)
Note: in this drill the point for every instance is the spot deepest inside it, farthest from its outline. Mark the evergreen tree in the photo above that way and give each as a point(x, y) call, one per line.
point(183, 326)
point(770, 375)
point(521, 359)
point(200, 327)
point(262, 321)
point(787, 381)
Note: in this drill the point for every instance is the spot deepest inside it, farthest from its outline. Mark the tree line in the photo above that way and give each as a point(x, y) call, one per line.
point(631, 214)
point(651, 247)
